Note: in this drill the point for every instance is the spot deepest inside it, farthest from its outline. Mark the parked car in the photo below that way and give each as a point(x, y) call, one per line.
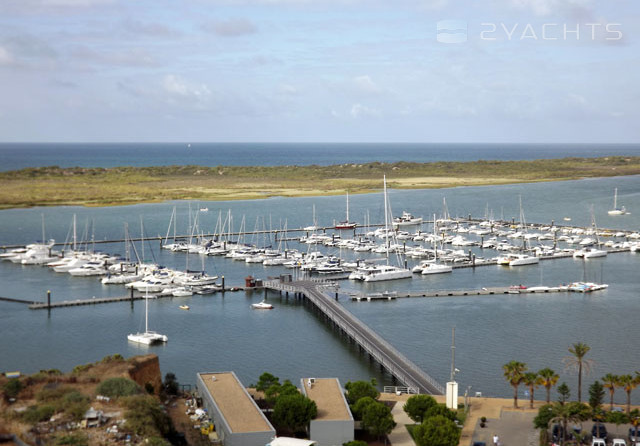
point(599, 430)
point(558, 433)
point(634, 434)
point(598, 442)
point(619, 442)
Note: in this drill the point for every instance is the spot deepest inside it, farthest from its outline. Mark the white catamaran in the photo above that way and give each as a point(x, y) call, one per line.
point(148, 337)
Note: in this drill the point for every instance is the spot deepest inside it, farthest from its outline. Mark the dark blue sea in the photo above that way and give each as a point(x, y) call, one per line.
point(21, 155)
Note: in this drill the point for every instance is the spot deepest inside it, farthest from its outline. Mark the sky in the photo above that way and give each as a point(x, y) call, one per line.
point(320, 71)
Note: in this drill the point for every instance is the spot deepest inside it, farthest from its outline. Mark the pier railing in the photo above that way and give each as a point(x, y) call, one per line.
point(382, 351)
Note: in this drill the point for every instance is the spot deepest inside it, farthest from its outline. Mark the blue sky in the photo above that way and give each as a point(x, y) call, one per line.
point(325, 70)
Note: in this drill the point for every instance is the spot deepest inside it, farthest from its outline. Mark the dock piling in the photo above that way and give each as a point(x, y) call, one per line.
point(49, 299)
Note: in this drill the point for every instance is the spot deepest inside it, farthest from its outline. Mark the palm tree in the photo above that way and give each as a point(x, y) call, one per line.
point(628, 383)
point(569, 413)
point(531, 380)
point(514, 374)
point(548, 379)
point(610, 381)
point(577, 361)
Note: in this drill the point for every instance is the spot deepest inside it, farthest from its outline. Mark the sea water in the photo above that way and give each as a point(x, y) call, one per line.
point(221, 332)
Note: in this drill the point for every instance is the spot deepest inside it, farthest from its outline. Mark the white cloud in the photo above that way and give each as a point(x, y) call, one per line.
point(231, 27)
point(288, 90)
point(361, 111)
point(175, 86)
point(366, 84)
point(6, 58)
point(548, 7)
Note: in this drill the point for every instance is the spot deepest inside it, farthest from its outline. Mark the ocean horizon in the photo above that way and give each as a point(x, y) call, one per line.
point(15, 156)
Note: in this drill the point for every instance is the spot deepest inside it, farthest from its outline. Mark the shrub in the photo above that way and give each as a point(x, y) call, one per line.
point(74, 439)
point(117, 387)
point(36, 414)
point(12, 388)
point(145, 416)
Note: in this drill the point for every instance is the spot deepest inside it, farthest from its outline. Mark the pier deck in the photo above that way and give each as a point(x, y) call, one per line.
point(380, 350)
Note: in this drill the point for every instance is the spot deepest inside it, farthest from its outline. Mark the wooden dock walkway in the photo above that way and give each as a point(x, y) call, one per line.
point(79, 302)
point(459, 293)
point(389, 358)
point(20, 301)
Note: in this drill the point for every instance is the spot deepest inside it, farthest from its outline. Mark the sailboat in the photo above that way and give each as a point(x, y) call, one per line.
point(617, 210)
point(379, 273)
point(148, 337)
point(314, 225)
point(346, 224)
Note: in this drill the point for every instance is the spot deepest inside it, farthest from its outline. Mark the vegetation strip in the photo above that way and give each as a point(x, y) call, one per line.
point(53, 186)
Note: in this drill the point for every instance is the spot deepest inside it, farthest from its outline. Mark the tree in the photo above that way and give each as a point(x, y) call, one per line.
point(514, 374)
point(564, 393)
point(577, 361)
point(628, 383)
point(442, 410)
point(531, 380)
point(617, 418)
point(377, 419)
point(596, 394)
point(358, 408)
point(294, 411)
point(358, 389)
point(276, 390)
point(573, 412)
point(437, 431)
point(417, 405)
point(171, 386)
point(355, 443)
point(548, 379)
point(266, 380)
point(544, 417)
point(610, 382)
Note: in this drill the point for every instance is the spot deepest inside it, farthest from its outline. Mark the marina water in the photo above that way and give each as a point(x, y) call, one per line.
point(221, 332)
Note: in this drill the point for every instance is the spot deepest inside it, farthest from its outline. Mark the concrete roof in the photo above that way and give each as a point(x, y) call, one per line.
point(329, 397)
point(237, 407)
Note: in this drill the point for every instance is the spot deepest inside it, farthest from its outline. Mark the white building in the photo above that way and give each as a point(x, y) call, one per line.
point(237, 419)
point(334, 424)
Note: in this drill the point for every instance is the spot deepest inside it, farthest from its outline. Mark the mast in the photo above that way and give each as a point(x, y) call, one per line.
point(75, 237)
point(347, 206)
point(386, 219)
point(146, 311)
point(615, 198)
point(43, 239)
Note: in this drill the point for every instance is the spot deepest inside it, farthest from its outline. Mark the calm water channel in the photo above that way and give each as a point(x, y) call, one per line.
point(223, 333)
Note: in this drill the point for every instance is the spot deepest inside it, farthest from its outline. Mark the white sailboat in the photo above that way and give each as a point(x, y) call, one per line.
point(617, 210)
point(148, 337)
point(379, 273)
point(346, 224)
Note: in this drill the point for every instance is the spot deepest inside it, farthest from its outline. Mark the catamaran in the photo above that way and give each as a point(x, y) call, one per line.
point(148, 337)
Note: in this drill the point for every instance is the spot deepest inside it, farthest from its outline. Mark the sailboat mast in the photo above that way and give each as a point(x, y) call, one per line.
point(615, 198)
point(146, 311)
point(386, 219)
point(347, 206)
point(75, 237)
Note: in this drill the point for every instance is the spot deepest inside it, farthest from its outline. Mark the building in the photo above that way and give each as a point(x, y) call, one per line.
point(237, 419)
point(333, 425)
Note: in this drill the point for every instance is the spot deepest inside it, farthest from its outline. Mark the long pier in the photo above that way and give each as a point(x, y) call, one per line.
point(389, 358)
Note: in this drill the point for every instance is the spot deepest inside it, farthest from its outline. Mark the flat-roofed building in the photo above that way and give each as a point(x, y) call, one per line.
point(237, 418)
point(333, 425)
